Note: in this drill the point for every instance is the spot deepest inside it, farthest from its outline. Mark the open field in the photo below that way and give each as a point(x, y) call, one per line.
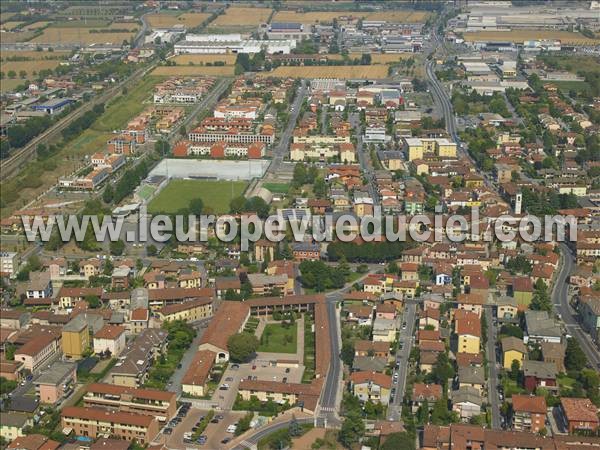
point(10, 37)
point(385, 58)
point(29, 66)
point(7, 84)
point(237, 16)
point(184, 60)
point(131, 26)
point(278, 339)
point(189, 20)
point(577, 86)
point(33, 55)
point(36, 25)
point(178, 194)
point(10, 25)
point(81, 23)
point(124, 108)
point(343, 72)
point(79, 36)
point(190, 71)
point(572, 63)
point(518, 36)
point(93, 139)
point(328, 16)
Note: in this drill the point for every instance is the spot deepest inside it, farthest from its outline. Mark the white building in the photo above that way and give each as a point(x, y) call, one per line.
point(9, 263)
point(110, 338)
point(231, 43)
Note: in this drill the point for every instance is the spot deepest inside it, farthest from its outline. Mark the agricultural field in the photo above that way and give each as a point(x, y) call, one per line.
point(237, 16)
point(343, 72)
point(9, 26)
point(566, 37)
point(385, 58)
point(7, 85)
point(131, 26)
point(178, 193)
point(189, 20)
point(10, 37)
point(79, 35)
point(184, 60)
point(191, 71)
point(29, 66)
point(329, 16)
point(34, 55)
point(36, 25)
point(81, 23)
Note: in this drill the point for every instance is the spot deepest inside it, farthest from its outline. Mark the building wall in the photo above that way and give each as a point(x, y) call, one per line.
point(74, 344)
point(468, 344)
point(510, 356)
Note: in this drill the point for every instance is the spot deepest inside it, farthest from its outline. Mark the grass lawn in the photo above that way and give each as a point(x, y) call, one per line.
point(577, 86)
point(282, 188)
point(510, 387)
point(178, 193)
point(126, 107)
point(565, 383)
point(277, 339)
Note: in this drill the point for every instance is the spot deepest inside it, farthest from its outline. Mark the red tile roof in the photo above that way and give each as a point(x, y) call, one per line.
point(103, 415)
point(529, 403)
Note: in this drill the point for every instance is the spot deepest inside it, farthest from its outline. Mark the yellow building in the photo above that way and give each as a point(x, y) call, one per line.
point(75, 338)
point(513, 349)
point(468, 330)
point(441, 147)
point(187, 311)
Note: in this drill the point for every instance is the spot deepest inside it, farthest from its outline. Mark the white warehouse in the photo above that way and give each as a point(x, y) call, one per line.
point(231, 43)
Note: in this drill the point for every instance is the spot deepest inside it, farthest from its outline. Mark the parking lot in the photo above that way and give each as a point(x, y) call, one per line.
point(262, 370)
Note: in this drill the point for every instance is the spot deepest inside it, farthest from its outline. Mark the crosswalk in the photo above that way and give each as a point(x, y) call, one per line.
point(249, 445)
point(327, 409)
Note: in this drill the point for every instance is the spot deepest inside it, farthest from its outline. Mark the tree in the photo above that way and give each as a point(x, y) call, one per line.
point(117, 247)
point(423, 413)
point(196, 206)
point(12, 74)
point(352, 430)
point(396, 441)
point(541, 298)
point(241, 346)
point(575, 358)
point(9, 351)
point(236, 205)
point(294, 429)
point(151, 250)
point(93, 301)
point(108, 194)
point(515, 368)
point(347, 352)
point(161, 147)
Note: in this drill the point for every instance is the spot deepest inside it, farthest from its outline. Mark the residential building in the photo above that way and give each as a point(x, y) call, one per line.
point(110, 340)
point(195, 380)
point(151, 402)
point(12, 425)
point(190, 311)
point(96, 422)
point(539, 374)
point(75, 338)
point(466, 401)
point(579, 415)
point(425, 393)
point(371, 386)
point(513, 350)
point(56, 382)
point(529, 413)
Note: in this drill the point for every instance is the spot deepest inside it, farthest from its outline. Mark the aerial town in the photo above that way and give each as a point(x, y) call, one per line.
point(454, 115)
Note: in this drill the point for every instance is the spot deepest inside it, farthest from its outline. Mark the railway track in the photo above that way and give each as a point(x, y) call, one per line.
point(11, 166)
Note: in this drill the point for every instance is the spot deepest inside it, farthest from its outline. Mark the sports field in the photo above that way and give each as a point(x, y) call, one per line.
point(238, 16)
point(343, 72)
point(177, 195)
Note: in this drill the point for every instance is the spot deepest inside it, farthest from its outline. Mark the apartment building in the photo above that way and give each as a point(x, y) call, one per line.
point(43, 345)
point(441, 147)
point(150, 402)
point(95, 422)
point(529, 413)
point(190, 311)
point(75, 338)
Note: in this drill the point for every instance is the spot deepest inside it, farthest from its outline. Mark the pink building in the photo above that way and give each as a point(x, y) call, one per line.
point(56, 383)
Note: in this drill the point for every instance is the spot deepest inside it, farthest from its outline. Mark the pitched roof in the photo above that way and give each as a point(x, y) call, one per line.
point(145, 393)
point(103, 415)
point(371, 377)
point(529, 403)
point(110, 332)
point(422, 391)
point(226, 322)
point(579, 409)
point(199, 369)
point(513, 343)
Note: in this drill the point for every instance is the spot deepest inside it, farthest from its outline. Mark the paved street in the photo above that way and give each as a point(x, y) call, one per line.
point(402, 356)
point(175, 383)
point(560, 301)
point(492, 382)
point(364, 157)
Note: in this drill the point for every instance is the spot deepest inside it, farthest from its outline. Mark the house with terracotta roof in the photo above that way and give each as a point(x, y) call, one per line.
point(190, 311)
point(33, 442)
point(43, 345)
point(371, 386)
point(467, 327)
point(195, 379)
point(422, 393)
point(229, 320)
point(522, 290)
point(430, 317)
point(151, 402)
point(528, 413)
point(110, 339)
point(579, 415)
point(304, 395)
point(369, 348)
point(96, 422)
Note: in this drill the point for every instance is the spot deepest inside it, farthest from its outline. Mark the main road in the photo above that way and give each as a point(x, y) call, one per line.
point(560, 301)
point(405, 341)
